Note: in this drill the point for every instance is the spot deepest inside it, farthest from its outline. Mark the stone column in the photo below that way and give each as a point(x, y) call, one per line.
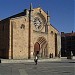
point(29, 34)
point(10, 40)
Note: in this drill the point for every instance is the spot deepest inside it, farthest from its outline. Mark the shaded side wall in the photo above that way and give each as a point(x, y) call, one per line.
point(4, 39)
point(59, 44)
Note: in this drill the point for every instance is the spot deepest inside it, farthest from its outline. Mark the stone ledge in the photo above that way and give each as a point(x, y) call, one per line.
point(26, 60)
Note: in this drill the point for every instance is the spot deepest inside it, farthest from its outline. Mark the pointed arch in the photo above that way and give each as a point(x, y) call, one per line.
point(36, 48)
point(40, 47)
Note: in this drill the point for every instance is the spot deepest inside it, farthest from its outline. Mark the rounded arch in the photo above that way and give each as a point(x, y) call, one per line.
point(41, 15)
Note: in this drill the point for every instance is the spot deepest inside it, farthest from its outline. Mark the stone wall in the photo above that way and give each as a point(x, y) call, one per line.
point(20, 38)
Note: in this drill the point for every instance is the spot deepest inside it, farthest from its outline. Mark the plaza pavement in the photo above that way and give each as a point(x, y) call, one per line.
point(55, 66)
point(42, 68)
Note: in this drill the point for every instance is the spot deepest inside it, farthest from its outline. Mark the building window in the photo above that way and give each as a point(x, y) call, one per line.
point(22, 26)
point(51, 32)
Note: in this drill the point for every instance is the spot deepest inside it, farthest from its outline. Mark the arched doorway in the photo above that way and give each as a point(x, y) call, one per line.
point(40, 47)
point(36, 48)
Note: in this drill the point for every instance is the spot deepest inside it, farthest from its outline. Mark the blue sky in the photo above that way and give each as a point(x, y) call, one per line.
point(61, 11)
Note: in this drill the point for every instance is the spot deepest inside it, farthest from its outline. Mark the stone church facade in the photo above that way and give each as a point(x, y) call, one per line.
point(28, 33)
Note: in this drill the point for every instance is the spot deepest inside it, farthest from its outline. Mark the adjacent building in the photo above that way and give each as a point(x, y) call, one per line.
point(28, 33)
point(67, 44)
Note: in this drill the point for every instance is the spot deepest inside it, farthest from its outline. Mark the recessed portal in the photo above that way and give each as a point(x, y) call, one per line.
point(36, 48)
point(40, 47)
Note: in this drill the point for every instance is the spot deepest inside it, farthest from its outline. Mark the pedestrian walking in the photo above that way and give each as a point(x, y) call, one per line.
point(36, 60)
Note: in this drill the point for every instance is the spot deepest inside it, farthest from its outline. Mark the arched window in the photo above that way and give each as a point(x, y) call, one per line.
point(22, 26)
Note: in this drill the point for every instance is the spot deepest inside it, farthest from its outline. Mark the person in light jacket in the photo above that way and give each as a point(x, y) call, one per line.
point(36, 60)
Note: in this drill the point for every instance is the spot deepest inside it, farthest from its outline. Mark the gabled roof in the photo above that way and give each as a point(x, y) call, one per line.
point(68, 34)
point(16, 15)
point(23, 14)
point(54, 27)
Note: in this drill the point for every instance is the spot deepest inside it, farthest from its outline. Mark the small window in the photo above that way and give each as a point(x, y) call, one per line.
point(51, 32)
point(22, 26)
